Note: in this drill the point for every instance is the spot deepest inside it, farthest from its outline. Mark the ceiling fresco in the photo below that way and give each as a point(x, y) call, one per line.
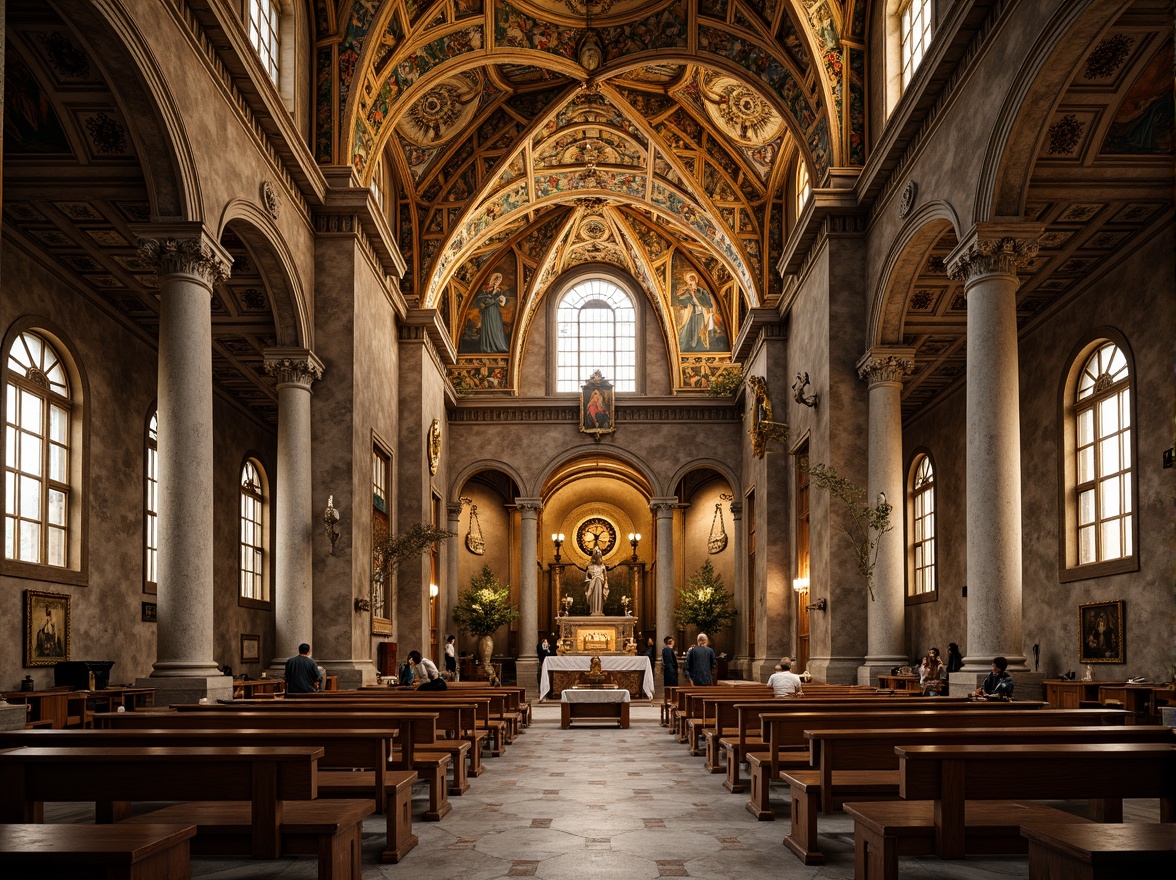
point(493, 124)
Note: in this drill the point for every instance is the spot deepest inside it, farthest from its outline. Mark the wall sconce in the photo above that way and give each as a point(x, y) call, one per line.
point(634, 540)
point(798, 391)
point(434, 590)
point(330, 520)
point(557, 540)
point(821, 604)
point(362, 605)
point(800, 584)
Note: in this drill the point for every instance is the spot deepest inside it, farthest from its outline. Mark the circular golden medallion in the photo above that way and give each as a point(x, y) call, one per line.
point(434, 446)
point(596, 533)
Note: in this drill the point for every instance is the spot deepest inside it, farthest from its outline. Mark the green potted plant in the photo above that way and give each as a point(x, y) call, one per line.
point(704, 602)
point(482, 609)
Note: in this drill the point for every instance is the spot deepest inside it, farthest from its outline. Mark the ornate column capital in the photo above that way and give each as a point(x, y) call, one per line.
point(453, 509)
point(189, 256)
point(529, 507)
point(993, 249)
point(663, 506)
point(736, 509)
point(886, 365)
point(293, 366)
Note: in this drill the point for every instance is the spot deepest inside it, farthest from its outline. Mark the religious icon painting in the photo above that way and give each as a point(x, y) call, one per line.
point(698, 317)
point(1100, 632)
point(489, 317)
point(46, 628)
point(597, 406)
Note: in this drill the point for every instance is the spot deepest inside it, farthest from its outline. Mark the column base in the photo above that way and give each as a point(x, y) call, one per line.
point(173, 690)
point(868, 672)
point(13, 715)
point(834, 670)
point(1026, 685)
point(762, 667)
point(351, 672)
point(527, 676)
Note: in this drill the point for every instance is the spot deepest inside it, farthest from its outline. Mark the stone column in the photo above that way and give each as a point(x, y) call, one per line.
point(988, 267)
point(663, 512)
point(294, 510)
point(184, 667)
point(884, 369)
point(742, 594)
point(527, 664)
point(452, 546)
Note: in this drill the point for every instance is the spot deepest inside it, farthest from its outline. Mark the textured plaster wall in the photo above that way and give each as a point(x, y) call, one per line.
point(1136, 299)
point(697, 520)
point(119, 396)
point(500, 539)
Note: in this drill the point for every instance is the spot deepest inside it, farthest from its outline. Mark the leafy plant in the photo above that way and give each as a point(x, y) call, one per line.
point(726, 381)
point(485, 606)
point(390, 550)
point(704, 602)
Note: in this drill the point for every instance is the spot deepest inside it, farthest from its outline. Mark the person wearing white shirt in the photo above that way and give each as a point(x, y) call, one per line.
point(783, 682)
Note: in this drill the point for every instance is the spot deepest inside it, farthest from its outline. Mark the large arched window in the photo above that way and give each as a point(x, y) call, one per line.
point(922, 582)
point(596, 330)
point(1099, 476)
point(151, 509)
point(264, 34)
point(37, 453)
point(254, 584)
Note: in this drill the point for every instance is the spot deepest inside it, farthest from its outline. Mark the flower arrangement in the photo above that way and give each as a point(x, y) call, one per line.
point(627, 605)
point(704, 602)
point(485, 606)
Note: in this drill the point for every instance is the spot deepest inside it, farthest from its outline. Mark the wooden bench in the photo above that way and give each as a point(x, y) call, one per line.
point(862, 765)
point(1107, 852)
point(945, 789)
point(123, 852)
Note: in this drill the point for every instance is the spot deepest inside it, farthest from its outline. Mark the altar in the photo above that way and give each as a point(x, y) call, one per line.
point(630, 672)
point(596, 635)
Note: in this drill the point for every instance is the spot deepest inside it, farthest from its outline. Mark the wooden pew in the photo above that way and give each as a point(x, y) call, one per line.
point(955, 796)
point(862, 764)
point(349, 750)
point(1105, 852)
point(122, 852)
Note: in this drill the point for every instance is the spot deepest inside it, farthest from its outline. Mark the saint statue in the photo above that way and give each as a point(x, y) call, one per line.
point(596, 584)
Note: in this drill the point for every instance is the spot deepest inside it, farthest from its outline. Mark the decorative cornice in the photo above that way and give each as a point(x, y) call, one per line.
point(675, 412)
point(886, 365)
point(991, 256)
point(293, 366)
point(188, 256)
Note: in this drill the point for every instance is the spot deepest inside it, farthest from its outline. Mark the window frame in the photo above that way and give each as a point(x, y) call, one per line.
point(269, 54)
point(151, 503)
point(912, 494)
point(381, 624)
point(926, 35)
point(596, 272)
point(1069, 568)
point(804, 185)
point(265, 502)
point(76, 570)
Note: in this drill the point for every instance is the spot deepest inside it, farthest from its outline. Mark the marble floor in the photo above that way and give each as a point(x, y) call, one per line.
point(597, 802)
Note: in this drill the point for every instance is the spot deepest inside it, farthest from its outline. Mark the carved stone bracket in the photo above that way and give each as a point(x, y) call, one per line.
point(173, 256)
point(991, 256)
point(297, 366)
point(886, 365)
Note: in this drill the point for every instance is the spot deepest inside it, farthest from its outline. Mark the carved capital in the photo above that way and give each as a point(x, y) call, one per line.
point(663, 506)
point(991, 256)
point(529, 506)
point(736, 510)
point(453, 508)
point(172, 256)
point(293, 366)
point(886, 365)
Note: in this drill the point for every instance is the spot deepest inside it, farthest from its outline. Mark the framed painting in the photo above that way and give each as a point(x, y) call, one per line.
point(149, 612)
point(1101, 638)
point(597, 403)
point(250, 648)
point(46, 628)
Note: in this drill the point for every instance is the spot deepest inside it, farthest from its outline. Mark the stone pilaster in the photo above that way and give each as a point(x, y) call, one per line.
point(295, 517)
point(452, 546)
point(884, 369)
point(527, 664)
point(987, 264)
point(740, 589)
point(187, 269)
point(663, 512)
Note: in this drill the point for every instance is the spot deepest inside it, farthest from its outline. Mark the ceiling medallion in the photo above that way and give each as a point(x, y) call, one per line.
point(442, 111)
point(740, 110)
point(590, 52)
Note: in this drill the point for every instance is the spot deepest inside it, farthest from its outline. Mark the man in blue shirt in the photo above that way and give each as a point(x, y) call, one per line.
point(701, 662)
point(998, 685)
point(302, 674)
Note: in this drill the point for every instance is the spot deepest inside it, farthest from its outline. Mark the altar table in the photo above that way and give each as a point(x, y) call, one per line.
point(594, 703)
point(561, 671)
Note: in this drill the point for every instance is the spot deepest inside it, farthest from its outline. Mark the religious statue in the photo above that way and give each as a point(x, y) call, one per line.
point(596, 584)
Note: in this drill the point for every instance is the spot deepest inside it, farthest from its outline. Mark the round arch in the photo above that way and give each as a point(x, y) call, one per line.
point(476, 467)
point(594, 451)
point(719, 467)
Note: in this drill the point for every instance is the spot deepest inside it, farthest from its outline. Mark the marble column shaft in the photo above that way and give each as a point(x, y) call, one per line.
point(452, 546)
point(294, 510)
point(663, 511)
point(529, 586)
point(740, 589)
point(884, 369)
point(187, 269)
point(988, 268)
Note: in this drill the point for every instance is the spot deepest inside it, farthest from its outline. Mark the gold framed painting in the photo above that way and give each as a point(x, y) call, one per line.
point(597, 406)
point(1101, 633)
point(46, 628)
point(250, 648)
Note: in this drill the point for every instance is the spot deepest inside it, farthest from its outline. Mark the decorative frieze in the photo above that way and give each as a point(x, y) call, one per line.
point(172, 256)
point(992, 256)
point(639, 413)
point(886, 365)
point(293, 366)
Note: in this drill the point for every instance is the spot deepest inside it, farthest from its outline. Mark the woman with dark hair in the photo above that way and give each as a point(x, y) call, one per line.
point(955, 660)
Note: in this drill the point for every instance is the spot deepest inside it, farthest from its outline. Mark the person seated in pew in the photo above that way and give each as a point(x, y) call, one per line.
point(933, 675)
point(302, 673)
point(425, 670)
point(998, 685)
point(784, 682)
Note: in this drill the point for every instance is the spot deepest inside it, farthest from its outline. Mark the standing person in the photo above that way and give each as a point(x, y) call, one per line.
point(451, 656)
point(784, 682)
point(955, 660)
point(669, 663)
point(425, 670)
point(302, 673)
point(701, 662)
point(650, 650)
point(998, 685)
point(543, 650)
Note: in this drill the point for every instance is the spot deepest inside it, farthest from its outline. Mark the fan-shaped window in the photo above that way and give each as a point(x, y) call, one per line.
point(922, 581)
point(914, 23)
point(37, 453)
point(264, 19)
point(804, 187)
point(596, 329)
point(1102, 484)
point(151, 508)
point(253, 515)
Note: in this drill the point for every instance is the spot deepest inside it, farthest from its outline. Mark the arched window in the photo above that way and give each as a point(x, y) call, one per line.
point(922, 581)
point(151, 508)
point(264, 33)
point(804, 187)
point(37, 453)
point(253, 520)
point(914, 25)
point(1102, 484)
point(596, 330)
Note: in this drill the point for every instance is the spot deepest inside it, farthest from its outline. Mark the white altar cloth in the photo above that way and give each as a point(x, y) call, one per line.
point(581, 662)
point(594, 695)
